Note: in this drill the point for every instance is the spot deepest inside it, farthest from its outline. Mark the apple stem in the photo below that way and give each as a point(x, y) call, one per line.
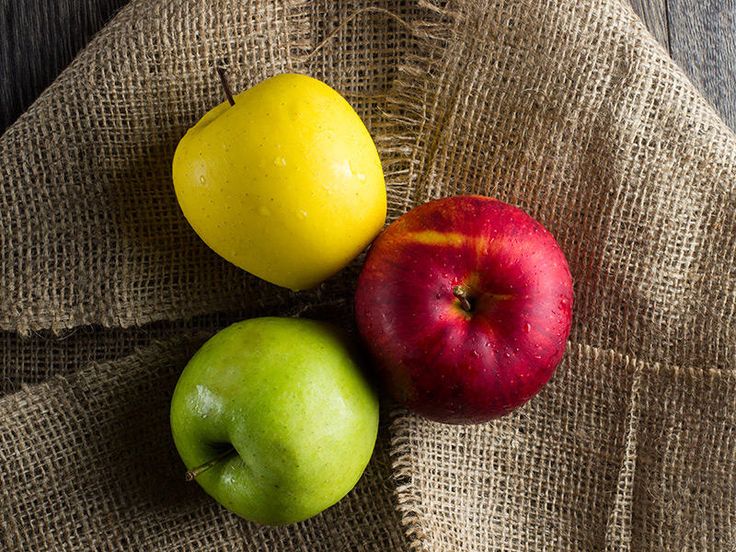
point(226, 85)
point(192, 474)
point(461, 292)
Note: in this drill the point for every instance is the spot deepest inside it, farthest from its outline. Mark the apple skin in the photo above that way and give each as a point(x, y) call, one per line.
point(433, 356)
point(288, 395)
point(286, 184)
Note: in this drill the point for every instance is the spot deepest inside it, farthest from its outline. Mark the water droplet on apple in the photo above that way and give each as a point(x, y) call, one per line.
point(263, 210)
point(201, 180)
point(360, 176)
point(301, 214)
point(343, 168)
point(527, 327)
point(507, 354)
point(280, 161)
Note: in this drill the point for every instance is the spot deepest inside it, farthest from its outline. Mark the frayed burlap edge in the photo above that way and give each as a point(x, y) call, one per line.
point(407, 109)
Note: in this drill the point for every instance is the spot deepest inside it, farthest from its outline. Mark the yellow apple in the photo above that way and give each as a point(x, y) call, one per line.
point(286, 183)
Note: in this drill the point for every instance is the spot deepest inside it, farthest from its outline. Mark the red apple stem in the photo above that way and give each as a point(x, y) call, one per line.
point(226, 85)
point(192, 474)
point(462, 294)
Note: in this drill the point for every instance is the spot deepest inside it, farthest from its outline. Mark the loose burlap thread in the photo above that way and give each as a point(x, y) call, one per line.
point(568, 109)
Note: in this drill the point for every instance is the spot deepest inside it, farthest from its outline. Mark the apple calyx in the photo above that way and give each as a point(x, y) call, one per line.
point(463, 295)
point(226, 86)
point(192, 474)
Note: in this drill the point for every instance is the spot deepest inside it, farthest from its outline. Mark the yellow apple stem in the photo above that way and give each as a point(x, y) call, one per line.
point(192, 474)
point(226, 86)
point(461, 292)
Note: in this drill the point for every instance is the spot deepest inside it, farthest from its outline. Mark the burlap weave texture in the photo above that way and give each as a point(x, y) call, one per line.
point(570, 113)
point(575, 113)
point(568, 109)
point(88, 464)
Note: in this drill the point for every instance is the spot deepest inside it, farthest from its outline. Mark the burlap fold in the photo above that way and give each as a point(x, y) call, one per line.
point(35, 358)
point(574, 112)
point(569, 109)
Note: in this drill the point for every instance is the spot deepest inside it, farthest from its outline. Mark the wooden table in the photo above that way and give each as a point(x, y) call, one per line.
point(40, 37)
point(700, 35)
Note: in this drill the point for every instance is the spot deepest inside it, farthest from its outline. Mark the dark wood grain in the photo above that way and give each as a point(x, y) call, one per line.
point(38, 38)
point(654, 15)
point(703, 42)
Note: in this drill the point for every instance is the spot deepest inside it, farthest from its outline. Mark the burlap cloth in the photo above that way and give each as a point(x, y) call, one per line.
point(567, 108)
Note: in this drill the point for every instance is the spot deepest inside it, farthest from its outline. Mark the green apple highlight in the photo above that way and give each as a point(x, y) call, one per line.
point(274, 418)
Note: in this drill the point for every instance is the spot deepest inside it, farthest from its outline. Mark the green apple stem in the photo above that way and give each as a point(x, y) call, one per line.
point(461, 292)
point(226, 85)
point(192, 474)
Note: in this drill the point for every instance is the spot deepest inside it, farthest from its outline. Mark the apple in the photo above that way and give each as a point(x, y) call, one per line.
point(466, 305)
point(285, 182)
point(274, 418)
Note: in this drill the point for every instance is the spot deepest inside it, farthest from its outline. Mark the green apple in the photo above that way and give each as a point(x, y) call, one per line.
point(274, 418)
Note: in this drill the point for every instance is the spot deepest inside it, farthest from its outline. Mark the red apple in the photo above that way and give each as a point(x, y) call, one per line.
point(466, 305)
